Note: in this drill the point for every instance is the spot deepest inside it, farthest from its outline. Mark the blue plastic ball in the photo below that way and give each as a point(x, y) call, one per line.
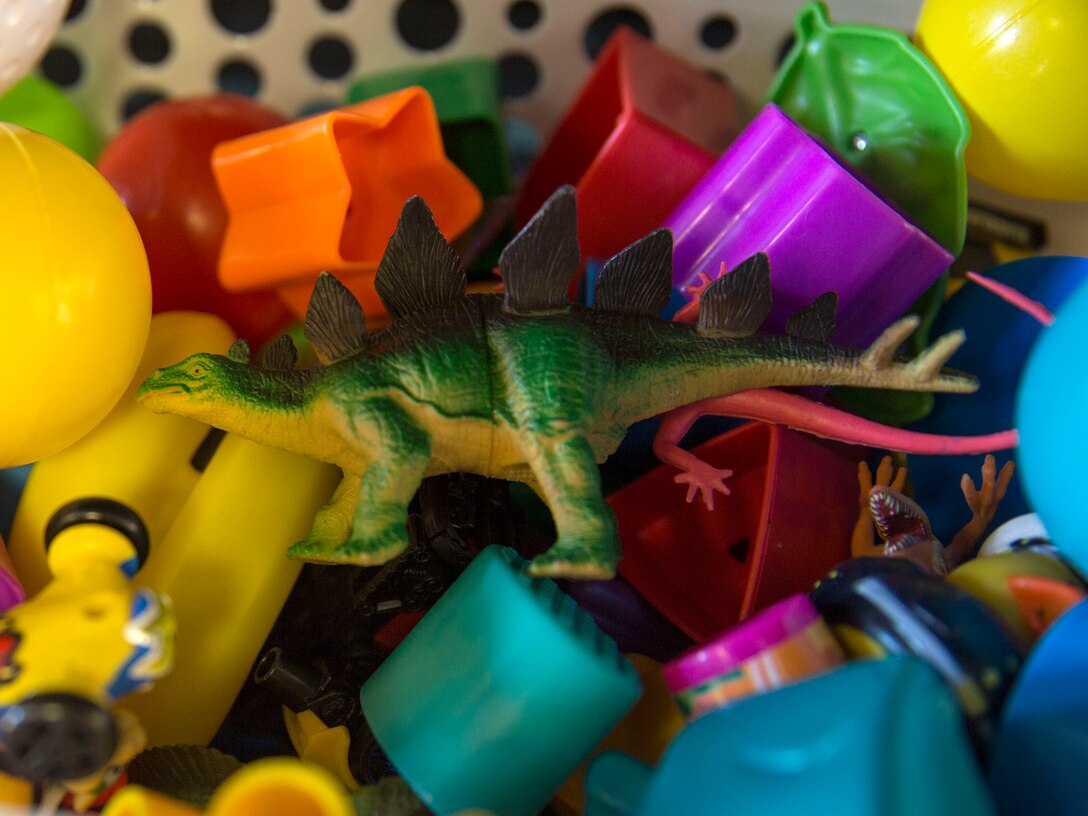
point(1050, 413)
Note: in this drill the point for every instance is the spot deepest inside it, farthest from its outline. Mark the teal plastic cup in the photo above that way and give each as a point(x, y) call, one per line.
point(498, 692)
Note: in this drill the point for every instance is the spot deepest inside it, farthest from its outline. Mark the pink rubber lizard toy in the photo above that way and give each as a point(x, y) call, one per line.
point(799, 413)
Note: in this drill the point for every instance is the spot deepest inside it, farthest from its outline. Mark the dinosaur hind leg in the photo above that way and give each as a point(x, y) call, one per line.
point(402, 453)
point(588, 542)
point(332, 524)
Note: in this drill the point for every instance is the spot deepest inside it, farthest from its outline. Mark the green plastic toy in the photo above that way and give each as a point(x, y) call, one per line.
point(522, 386)
point(881, 106)
point(36, 103)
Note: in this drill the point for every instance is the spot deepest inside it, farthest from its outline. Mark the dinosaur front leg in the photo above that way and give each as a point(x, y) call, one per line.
point(400, 453)
point(587, 546)
point(332, 524)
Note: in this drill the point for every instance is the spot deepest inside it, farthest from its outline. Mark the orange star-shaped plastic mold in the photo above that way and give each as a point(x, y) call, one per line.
point(325, 193)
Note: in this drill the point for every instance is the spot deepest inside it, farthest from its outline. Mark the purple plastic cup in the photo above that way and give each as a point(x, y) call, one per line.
point(786, 642)
point(778, 190)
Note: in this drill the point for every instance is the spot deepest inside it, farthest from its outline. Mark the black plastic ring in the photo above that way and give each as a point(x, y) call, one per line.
point(107, 512)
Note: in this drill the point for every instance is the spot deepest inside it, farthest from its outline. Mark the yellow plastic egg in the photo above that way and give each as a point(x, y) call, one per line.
point(76, 296)
point(1018, 67)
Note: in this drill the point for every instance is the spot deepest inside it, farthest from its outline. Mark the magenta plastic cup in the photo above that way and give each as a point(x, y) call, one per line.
point(783, 644)
point(778, 190)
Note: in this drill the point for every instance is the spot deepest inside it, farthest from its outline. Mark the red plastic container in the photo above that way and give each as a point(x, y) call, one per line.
point(643, 130)
point(786, 523)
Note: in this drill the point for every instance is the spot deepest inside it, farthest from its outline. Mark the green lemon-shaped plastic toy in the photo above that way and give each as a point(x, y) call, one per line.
point(76, 295)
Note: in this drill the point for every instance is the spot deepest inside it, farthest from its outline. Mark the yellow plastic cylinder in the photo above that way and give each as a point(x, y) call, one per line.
point(133, 800)
point(280, 786)
point(224, 565)
point(139, 458)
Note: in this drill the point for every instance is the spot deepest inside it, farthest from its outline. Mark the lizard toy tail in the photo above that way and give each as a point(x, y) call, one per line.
point(801, 414)
point(770, 405)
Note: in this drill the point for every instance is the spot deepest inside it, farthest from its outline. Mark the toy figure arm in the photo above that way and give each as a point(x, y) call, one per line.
point(690, 310)
point(863, 541)
point(983, 502)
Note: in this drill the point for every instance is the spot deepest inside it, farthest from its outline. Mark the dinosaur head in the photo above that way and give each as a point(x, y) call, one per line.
point(196, 387)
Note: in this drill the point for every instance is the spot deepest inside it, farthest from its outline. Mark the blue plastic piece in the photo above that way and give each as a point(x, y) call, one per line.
point(498, 692)
point(12, 482)
point(873, 738)
point(999, 338)
point(1050, 415)
point(1041, 749)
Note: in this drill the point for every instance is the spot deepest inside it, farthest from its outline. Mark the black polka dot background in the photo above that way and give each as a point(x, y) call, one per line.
point(115, 57)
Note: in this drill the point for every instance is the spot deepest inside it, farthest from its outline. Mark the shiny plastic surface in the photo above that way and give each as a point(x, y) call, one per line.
point(76, 292)
point(133, 456)
point(325, 194)
point(224, 564)
point(160, 165)
point(220, 530)
point(498, 693)
point(783, 644)
point(1018, 68)
point(466, 100)
point(36, 103)
point(1050, 404)
point(834, 744)
point(898, 608)
point(641, 132)
point(1042, 745)
point(881, 106)
point(777, 190)
point(987, 578)
point(786, 522)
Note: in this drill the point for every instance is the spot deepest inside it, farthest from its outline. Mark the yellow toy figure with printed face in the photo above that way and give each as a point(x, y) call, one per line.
point(68, 654)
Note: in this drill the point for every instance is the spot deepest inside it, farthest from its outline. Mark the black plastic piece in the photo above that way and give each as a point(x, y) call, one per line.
point(56, 737)
point(107, 512)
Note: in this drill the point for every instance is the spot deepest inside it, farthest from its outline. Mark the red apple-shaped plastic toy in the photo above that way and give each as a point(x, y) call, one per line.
point(160, 164)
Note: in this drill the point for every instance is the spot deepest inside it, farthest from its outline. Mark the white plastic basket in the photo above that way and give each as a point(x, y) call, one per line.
point(112, 56)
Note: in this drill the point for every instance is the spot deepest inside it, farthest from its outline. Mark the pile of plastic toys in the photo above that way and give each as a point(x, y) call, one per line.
point(347, 457)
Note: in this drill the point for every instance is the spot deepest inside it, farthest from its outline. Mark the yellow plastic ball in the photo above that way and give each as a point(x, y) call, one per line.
point(1018, 67)
point(76, 296)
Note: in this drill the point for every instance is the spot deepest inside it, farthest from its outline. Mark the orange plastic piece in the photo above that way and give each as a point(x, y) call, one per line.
point(325, 193)
point(1042, 600)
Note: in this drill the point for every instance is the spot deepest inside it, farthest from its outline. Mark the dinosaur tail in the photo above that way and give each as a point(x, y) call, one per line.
point(879, 366)
point(698, 366)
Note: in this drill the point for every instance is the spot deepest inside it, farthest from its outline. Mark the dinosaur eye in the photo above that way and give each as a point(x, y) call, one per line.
point(196, 371)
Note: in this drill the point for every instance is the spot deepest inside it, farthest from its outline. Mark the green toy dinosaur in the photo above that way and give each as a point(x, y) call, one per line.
point(521, 386)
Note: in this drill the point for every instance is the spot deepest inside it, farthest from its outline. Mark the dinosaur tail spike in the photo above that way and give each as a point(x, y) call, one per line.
point(816, 321)
point(927, 366)
point(880, 354)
